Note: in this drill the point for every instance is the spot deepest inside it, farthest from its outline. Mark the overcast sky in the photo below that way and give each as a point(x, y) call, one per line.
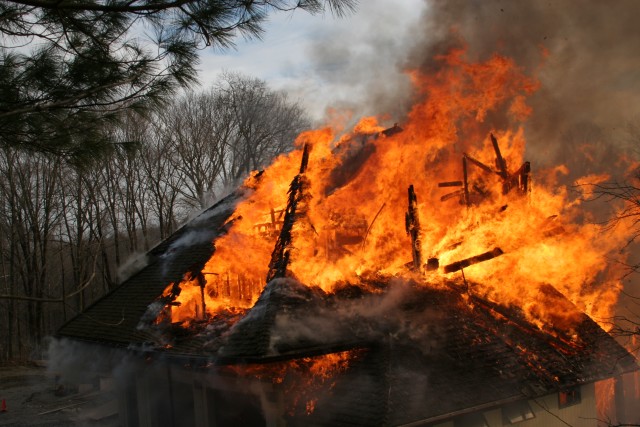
point(324, 61)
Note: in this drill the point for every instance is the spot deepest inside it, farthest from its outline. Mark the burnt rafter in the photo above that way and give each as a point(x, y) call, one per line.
point(298, 193)
point(412, 225)
point(501, 165)
point(479, 164)
point(518, 180)
point(459, 265)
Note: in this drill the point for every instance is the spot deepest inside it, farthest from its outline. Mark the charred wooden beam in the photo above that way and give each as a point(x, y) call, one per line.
point(525, 172)
point(392, 130)
point(459, 265)
point(305, 158)
point(201, 281)
point(519, 179)
point(298, 193)
point(479, 164)
point(450, 184)
point(412, 224)
point(432, 264)
point(522, 176)
point(501, 165)
point(465, 181)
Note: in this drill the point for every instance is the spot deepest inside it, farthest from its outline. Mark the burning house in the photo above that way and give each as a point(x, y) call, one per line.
point(406, 276)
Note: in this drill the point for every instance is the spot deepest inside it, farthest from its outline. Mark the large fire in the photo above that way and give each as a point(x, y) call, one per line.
point(355, 199)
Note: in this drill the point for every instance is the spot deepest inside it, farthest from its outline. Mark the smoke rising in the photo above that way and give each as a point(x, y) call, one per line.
point(78, 362)
point(371, 317)
point(136, 262)
point(583, 55)
point(361, 62)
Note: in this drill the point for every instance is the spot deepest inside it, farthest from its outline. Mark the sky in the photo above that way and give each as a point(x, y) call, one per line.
point(324, 61)
point(590, 74)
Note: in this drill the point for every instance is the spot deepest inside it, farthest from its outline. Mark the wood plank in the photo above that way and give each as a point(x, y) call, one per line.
point(486, 256)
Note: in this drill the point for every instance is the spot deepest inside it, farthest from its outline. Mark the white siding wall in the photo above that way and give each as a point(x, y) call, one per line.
point(582, 414)
point(547, 413)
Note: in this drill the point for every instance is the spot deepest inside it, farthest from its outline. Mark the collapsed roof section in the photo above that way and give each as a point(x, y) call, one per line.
point(416, 335)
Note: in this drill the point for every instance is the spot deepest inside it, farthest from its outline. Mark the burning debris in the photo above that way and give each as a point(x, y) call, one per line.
point(322, 237)
point(298, 195)
point(459, 265)
point(412, 225)
point(518, 180)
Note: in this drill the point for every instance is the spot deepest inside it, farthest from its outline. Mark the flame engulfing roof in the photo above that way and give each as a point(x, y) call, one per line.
point(401, 341)
point(114, 319)
point(418, 343)
point(505, 328)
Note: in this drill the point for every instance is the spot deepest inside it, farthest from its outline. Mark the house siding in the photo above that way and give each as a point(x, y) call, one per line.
point(548, 414)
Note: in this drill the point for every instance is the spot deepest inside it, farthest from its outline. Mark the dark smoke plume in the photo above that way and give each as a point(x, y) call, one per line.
point(583, 54)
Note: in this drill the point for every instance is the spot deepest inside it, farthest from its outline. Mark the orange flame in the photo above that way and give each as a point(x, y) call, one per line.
point(358, 182)
point(303, 379)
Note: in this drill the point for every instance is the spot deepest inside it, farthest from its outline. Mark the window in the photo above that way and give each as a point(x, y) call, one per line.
point(516, 412)
point(471, 420)
point(569, 397)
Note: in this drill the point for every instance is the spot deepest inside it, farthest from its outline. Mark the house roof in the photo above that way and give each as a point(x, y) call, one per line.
point(435, 351)
point(114, 319)
point(421, 340)
point(429, 351)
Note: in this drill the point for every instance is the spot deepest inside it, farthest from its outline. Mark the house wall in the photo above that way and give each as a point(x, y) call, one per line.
point(548, 414)
point(166, 395)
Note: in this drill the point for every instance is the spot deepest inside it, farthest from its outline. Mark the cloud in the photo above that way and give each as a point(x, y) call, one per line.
point(324, 61)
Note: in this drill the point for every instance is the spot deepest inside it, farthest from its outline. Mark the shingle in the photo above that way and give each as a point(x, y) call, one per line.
point(114, 318)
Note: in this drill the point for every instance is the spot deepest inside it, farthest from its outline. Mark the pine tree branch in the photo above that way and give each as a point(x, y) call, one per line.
point(65, 103)
point(97, 7)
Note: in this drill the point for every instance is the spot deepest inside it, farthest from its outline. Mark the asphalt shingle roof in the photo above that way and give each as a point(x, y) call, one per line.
point(114, 319)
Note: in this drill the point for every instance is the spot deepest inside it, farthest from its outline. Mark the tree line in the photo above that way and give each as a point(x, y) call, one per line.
point(68, 230)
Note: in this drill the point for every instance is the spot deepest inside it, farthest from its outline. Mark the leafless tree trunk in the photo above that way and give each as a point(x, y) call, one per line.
point(265, 124)
point(32, 182)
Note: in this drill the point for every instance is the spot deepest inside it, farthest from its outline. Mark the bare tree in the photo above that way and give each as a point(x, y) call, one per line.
point(265, 123)
point(164, 184)
point(219, 136)
point(30, 185)
point(194, 130)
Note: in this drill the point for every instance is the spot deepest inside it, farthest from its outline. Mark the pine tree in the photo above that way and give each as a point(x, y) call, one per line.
point(70, 68)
